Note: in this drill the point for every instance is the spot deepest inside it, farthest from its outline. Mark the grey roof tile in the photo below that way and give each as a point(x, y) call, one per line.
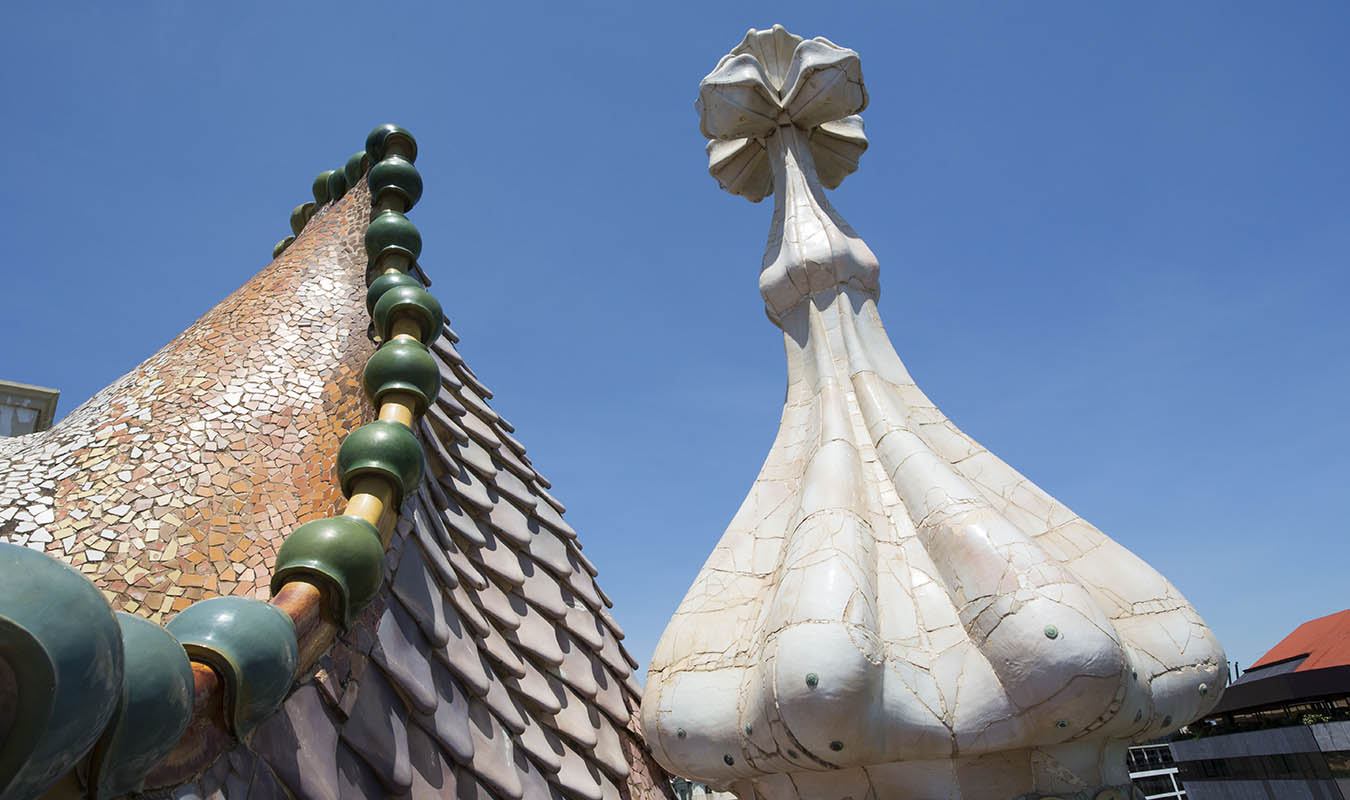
point(578, 777)
point(446, 350)
point(435, 555)
point(443, 422)
point(542, 590)
point(498, 607)
point(493, 753)
point(461, 657)
point(470, 788)
point(377, 730)
point(355, 780)
point(473, 402)
point(457, 520)
point(481, 432)
point(611, 623)
point(608, 751)
point(503, 705)
point(510, 523)
point(450, 722)
point(460, 599)
point(610, 698)
point(405, 656)
point(502, 654)
point(450, 404)
point(518, 464)
point(472, 379)
point(549, 549)
point(497, 558)
point(573, 720)
point(433, 774)
point(472, 455)
point(543, 745)
point(582, 623)
point(533, 688)
point(265, 785)
point(309, 772)
point(550, 517)
point(466, 486)
point(579, 665)
point(448, 377)
point(420, 592)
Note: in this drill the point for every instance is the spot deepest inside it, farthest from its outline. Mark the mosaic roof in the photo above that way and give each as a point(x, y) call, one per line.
point(487, 666)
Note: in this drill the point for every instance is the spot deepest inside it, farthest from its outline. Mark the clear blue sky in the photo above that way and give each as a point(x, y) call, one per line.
point(1114, 245)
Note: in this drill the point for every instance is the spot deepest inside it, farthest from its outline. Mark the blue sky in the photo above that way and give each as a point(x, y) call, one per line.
point(1113, 242)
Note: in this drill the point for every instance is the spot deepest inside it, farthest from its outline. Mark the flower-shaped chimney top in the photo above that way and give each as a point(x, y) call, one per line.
point(772, 79)
point(894, 611)
point(782, 113)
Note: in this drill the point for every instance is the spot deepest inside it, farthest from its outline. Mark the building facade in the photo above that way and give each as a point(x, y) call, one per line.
point(26, 409)
point(1282, 730)
point(1153, 771)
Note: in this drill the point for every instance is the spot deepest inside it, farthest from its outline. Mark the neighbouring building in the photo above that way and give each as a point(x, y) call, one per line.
point(26, 409)
point(1282, 730)
point(1153, 771)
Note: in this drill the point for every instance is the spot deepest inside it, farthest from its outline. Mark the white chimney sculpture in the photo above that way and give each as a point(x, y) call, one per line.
point(894, 612)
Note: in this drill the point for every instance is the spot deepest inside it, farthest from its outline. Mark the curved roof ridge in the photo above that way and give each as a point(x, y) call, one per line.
point(486, 658)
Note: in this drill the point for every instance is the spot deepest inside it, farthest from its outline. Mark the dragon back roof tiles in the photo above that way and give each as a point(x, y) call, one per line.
point(486, 664)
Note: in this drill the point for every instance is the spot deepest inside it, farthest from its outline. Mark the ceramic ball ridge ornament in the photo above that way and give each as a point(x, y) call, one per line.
point(894, 612)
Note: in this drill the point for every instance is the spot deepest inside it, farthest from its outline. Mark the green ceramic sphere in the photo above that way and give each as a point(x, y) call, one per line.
point(337, 184)
point(280, 247)
point(300, 216)
point(251, 644)
point(379, 141)
point(391, 232)
point(63, 648)
point(154, 710)
point(386, 282)
point(409, 300)
point(355, 167)
point(397, 175)
point(320, 188)
point(402, 366)
point(382, 448)
point(342, 554)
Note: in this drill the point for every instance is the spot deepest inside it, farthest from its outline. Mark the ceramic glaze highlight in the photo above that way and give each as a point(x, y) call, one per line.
point(894, 612)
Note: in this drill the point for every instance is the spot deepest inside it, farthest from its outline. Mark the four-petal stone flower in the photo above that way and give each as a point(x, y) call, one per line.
point(776, 78)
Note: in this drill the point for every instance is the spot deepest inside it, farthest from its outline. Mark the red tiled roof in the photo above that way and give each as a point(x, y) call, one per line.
point(1325, 640)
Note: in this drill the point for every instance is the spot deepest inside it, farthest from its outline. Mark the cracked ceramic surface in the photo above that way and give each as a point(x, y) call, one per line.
point(894, 611)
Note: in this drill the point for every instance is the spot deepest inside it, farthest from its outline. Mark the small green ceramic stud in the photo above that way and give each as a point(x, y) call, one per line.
point(390, 139)
point(63, 651)
point(300, 216)
point(391, 232)
point(337, 184)
point(384, 283)
point(355, 167)
point(251, 644)
point(382, 448)
point(340, 554)
point(402, 366)
point(409, 300)
point(154, 710)
point(397, 176)
point(320, 188)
